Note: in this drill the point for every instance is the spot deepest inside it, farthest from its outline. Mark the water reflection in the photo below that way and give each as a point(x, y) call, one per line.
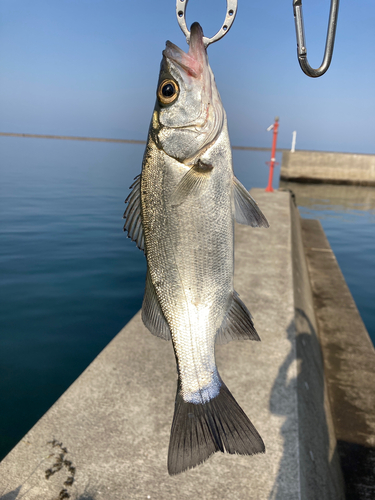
point(332, 196)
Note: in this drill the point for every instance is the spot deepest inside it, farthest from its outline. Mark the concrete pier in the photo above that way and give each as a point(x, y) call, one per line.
point(326, 167)
point(349, 364)
point(115, 419)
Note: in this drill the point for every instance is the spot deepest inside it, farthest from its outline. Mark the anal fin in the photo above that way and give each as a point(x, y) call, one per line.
point(237, 324)
point(152, 315)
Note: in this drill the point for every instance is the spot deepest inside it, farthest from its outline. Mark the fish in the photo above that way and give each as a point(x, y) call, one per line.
point(181, 212)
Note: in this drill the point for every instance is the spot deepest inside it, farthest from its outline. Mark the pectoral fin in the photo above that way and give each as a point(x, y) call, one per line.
point(132, 215)
point(237, 324)
point(246, 209)
point(152, 315)
point(193, 183)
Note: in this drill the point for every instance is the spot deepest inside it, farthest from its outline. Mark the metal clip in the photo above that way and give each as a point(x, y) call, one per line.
point(301, 45)
point(181, 6)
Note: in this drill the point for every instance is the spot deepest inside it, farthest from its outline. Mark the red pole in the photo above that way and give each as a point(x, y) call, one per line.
point(273, 153)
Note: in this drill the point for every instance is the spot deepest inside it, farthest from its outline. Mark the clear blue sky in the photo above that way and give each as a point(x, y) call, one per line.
point(90, 67)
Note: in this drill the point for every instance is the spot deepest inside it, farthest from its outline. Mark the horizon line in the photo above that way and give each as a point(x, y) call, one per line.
point(122, 141)
point(136, 141)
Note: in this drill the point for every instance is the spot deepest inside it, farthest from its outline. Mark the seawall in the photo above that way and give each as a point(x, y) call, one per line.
point(115, 418)
point(349, 363)
point(327, 167)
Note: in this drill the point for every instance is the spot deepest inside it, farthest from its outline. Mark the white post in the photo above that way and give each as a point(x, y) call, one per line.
point(294, 142)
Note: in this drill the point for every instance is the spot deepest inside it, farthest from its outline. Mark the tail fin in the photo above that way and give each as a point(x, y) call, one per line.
point(199, 430)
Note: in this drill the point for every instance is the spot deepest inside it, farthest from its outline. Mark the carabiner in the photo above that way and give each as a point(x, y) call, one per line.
point(301, 45)
point(181, 6)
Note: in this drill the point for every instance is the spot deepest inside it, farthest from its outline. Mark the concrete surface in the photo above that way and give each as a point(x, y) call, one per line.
point(349, 364)
point(115, 419)
point(335, 168)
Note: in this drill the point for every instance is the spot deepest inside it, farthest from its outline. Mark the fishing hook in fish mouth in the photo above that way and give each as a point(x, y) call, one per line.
point(181, 6)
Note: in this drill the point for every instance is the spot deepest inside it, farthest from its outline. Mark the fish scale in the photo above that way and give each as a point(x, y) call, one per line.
point(193, 278)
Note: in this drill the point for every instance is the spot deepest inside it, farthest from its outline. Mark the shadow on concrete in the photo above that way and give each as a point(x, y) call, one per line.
point(88, 494)
point(283, 390)
point(11, 495)
point(318, 465)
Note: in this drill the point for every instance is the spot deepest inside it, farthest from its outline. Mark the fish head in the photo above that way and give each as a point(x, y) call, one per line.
point(188, 115)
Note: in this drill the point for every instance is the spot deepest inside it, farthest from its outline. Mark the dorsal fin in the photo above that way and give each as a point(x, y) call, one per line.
point(132, 215)
point(246, 209)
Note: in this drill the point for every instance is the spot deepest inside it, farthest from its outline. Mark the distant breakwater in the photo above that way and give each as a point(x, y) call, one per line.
point(326, 167)
point(71, 138)
point(103, 139)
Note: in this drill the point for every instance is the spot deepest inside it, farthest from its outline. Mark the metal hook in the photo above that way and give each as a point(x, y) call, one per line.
point(301, 45)
point(181, 6)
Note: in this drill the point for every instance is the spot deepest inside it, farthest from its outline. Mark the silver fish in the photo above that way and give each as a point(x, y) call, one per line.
point(181, 212)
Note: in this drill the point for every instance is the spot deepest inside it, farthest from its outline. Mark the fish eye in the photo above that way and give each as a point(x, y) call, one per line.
point(167, 91)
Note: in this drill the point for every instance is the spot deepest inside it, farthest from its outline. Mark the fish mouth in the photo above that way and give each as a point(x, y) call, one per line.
point(192, 62)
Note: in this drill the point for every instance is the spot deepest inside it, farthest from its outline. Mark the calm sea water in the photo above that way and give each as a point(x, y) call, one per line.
point(69, 277)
